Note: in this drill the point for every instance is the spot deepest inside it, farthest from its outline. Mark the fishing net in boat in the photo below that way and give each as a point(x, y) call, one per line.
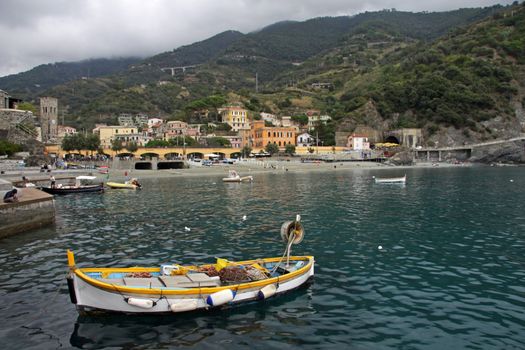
point(209, 270)
point(233, 274)
point(255, 274)
point(139, 275)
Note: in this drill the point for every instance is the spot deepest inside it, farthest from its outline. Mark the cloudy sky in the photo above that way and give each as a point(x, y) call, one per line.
point(34, 32)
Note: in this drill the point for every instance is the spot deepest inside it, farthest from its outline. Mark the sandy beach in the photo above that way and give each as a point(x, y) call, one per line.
point(243, 168)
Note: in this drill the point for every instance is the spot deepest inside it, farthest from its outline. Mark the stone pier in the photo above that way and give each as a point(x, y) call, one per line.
point(34, 209)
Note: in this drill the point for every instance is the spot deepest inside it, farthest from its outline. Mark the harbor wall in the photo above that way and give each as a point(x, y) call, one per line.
point(34, 209)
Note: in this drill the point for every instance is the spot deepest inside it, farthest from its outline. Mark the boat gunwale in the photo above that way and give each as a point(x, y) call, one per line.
point(194, 290)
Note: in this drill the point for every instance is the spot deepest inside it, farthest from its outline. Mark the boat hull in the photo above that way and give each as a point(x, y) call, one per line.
point(104, 297)
point(238, 179)
point(116, 185)
point(392, 180)
point(68, 190)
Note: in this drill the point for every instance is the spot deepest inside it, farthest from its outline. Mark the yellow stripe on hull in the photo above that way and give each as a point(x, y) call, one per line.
point(82, 274)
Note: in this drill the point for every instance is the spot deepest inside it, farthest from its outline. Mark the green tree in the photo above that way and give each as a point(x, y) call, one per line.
point(92, 142)
point(158, 143)
point(8, 148)
point(78, 142)
point(27, 106)
point(271, 148)
point(223, 127)
point(218, 142)
point(246, 151)
point(132, 147)
point(289, 149)
point(301, 119)
point(116, 145)
point(68, 143)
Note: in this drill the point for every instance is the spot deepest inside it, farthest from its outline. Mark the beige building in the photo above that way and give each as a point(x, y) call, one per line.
point(108, 133)
point(236, 117)
point(49, 118)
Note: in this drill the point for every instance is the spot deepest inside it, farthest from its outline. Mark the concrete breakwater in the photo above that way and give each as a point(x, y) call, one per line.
point(34, 209)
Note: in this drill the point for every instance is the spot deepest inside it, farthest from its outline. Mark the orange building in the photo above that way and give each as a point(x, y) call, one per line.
point(262, 135)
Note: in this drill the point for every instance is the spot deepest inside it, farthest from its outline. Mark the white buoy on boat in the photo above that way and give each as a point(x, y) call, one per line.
point(220, 298)
point(267, 291)
point(143, 303)
point(183, 305)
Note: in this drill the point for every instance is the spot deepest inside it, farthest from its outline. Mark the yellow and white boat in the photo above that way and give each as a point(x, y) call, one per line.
point(130, 185)
point(175, 288)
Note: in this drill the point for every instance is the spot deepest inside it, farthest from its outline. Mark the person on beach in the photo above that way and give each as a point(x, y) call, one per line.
point(11, 196)
point(53, 181)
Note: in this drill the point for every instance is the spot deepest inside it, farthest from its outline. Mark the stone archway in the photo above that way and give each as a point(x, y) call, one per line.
point(392, 139)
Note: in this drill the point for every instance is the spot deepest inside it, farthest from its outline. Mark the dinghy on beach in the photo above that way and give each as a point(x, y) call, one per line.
point(179, 288)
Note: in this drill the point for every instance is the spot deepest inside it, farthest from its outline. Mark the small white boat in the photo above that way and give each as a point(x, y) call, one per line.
point(234, 177)
point(177, 288)
point(390, 180)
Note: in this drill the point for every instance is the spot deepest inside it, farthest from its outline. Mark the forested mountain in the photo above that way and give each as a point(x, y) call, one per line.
point(41, 78)
point(457, 69)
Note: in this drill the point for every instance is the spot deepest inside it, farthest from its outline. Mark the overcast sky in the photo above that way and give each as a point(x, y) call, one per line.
point(34, 32)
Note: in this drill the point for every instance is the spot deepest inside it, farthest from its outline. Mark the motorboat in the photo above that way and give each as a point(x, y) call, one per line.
point(233, 176)
point(174, 288)
point(133, 184)
point(103, 169)
point(82, 184)
point(390, 180)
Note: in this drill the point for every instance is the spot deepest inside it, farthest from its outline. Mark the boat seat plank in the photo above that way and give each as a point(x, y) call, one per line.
point(117, 281)
point(152, 282)
point(174, 281)
point(186, 282)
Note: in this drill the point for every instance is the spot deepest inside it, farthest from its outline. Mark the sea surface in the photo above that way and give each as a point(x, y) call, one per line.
point(436, 264)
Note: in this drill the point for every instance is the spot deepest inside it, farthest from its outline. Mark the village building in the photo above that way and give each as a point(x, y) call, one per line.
point(314, 120)
point(49, 119)
point(271, 118)
point(64, 131)
point(305, 140)
point(358, 143)
point(262, 135)
point(236, 117)
point(108, 133)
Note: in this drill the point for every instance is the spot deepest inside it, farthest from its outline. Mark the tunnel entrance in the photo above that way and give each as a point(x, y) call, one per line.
point(170, 165)
point(143, 166)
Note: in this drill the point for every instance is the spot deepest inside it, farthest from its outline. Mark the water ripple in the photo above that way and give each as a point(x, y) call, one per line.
point(450, 272)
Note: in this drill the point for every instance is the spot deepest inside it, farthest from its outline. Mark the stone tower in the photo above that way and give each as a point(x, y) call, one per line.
point(49, 118)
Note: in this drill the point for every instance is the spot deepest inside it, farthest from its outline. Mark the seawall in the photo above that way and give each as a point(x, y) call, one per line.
point(34, 209)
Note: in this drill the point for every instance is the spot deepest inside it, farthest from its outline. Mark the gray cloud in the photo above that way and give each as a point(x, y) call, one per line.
point(34, 32)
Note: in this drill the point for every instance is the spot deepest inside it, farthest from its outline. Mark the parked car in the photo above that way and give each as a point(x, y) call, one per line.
point(207, 163)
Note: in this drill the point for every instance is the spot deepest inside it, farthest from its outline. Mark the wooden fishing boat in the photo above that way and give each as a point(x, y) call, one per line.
point(234, 177)
point(79, 186)
point(390, 180)
point(176, 288)
point(129, 185)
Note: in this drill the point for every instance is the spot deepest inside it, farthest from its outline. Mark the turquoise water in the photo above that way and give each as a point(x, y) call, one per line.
point(450, 274)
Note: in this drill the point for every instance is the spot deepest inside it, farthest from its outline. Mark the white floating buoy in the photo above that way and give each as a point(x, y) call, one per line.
point(267, 291)
point(184, 305)
point(219, 298)
point(187, 228)
point(142, 303)
point(511, 180)
point(379, 247)
point(244, 217)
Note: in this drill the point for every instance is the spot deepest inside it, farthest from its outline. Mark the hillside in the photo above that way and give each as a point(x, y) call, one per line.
point(28, 85)
point(411, 69)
